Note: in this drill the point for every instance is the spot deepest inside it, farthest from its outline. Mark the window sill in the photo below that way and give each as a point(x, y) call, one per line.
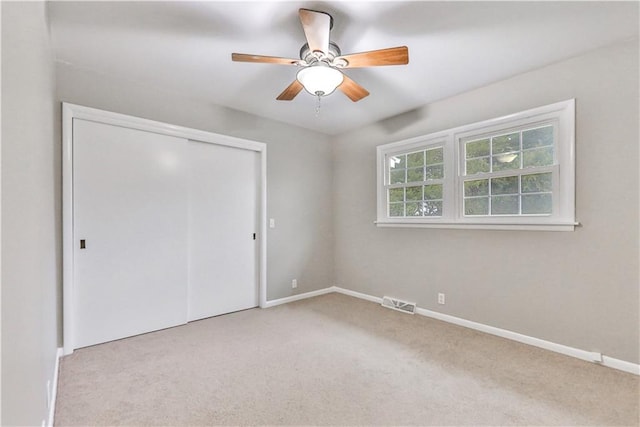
point(555, 226)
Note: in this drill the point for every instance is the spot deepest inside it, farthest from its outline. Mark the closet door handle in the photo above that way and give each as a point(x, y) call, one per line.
point(83, 244)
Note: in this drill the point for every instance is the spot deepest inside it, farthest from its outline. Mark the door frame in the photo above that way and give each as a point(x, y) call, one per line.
point(74, 111)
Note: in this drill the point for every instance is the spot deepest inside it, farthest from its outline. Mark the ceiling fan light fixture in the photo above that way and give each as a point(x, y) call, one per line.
point(320, 79)
point(321, 61)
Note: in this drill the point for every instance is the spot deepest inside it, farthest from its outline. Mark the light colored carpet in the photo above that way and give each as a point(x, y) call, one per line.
point(335, 360)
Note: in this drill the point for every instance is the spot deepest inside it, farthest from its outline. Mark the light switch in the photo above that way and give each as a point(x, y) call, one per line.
point(272, 223)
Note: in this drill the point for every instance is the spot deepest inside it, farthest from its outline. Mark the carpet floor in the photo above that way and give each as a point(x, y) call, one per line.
point(335, 360)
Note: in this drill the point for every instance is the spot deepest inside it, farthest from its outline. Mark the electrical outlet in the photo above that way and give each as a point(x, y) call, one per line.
point(440, 298)
point(272, 223)
point(294, 283)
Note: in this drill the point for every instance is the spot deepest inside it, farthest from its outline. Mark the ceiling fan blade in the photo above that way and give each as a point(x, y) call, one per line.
point(391, 56)
point(243, 57)
point(316, 26)
point(353, 90)
point(290, 92)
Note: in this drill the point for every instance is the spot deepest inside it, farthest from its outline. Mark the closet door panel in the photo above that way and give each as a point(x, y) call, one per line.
point(130, 209)
point(223, 216)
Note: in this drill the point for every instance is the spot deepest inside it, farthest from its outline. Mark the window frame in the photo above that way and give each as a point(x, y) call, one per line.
point(422, 145)
point(561, 115)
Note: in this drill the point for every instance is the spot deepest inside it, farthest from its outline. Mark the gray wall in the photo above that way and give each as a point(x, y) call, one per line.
point(299, 183)
point(575, 288)
point(30, 231)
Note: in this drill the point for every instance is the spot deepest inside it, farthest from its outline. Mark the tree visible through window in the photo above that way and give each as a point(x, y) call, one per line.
point(516, 170)
point(415, 179)
point(521, 192)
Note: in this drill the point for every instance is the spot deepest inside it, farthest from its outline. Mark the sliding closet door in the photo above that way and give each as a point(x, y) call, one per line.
point(223, 217)
point(130, 232)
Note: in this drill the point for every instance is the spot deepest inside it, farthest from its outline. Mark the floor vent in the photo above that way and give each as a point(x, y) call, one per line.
point(396, 304)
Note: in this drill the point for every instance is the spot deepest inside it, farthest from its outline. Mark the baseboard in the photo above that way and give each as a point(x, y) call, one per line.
point(589, 356)
point(621, 365)
point(298, 297)
point(357, 294)
point(54, 388)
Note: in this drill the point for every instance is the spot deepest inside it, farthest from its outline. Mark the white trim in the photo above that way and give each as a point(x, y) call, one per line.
point(560, 114)
point(54, 388)
point(67, 228)
point(552, 226)
point(589, 356)
point(131, 122)
point(357, 294)
point(73, 111)
point(621, 365)
point(263, 232)
point(298, 297)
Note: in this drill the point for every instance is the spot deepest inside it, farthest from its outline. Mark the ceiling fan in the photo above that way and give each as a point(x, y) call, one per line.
point(321, 61)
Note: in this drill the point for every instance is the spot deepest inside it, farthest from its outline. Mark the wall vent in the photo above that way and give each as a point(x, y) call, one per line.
point(399, 305)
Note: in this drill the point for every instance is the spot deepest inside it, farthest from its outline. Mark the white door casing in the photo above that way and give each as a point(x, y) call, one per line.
point(153, 210)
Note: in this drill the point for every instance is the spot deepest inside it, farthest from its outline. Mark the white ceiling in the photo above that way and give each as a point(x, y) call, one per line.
point(453, 47)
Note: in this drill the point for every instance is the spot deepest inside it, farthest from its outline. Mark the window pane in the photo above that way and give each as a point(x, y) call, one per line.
point(477, 148)
point(414, 209)
point(398, 162)
point(504, 205)
point(414, 193)
point(433, 208)
point(506, 143)
point(538, 157)
point(415, 174)
point(433, 191)
point(396, 195)
point(435, 155)
point(476, 206)
point(478, 165)
point(537, 183)
point(505, 185)
point(435, 172)
point(397, 177)
point(536, 203)
point(503, 173)
point(540, 137)
point(396, 209)
point(478, 187)
point(415, 159)
point(505, 162)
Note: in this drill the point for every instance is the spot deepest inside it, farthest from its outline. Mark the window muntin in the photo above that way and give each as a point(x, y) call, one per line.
point(524, 194)
point(512, 172)
point(415, 183)
point(515, 150)
point(498, 178)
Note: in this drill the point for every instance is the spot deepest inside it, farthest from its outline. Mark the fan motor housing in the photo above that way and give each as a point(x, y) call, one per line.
point(310, 57)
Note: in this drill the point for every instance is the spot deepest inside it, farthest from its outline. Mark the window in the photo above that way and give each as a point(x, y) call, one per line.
point(513, 172)
point(415, 183)
point(510, 174)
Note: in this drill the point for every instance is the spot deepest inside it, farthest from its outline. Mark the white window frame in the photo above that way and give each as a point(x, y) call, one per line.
point(562, 218)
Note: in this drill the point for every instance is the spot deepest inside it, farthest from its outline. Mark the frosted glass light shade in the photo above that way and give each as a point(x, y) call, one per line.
point(320, 80)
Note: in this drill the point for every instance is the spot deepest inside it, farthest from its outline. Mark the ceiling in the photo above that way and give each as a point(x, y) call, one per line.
point(454, 47)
